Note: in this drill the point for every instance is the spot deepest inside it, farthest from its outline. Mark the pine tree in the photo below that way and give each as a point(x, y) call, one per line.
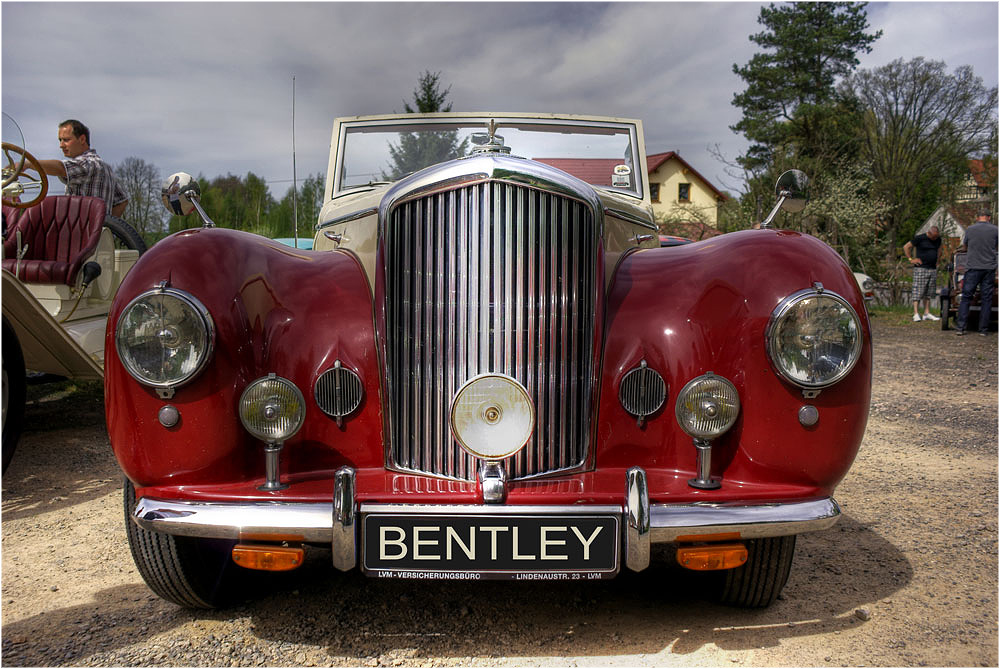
point(790, 99)
point(422, 148)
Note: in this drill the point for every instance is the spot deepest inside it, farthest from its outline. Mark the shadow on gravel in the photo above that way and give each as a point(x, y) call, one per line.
point(63, 457)
point(355, 619)
point(664, 607)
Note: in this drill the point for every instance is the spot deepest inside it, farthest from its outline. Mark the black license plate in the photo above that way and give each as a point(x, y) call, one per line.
point(477, 546)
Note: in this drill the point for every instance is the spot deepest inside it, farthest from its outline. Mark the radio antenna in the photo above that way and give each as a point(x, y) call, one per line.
point(295, 181)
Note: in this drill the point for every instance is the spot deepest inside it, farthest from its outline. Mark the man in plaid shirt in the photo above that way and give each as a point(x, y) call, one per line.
point(82, 170)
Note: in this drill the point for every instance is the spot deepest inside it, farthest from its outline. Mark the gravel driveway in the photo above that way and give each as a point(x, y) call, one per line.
point(907, 578)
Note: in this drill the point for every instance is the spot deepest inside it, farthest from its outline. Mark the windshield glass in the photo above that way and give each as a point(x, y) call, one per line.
point(602, 154)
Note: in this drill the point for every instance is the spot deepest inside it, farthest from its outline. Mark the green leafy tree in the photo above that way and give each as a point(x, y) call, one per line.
point(418, 149)
point(845, 214)
point(233, 202)
point(790, 103)
point(310, 199)
point(735, 214)
point(921, 127)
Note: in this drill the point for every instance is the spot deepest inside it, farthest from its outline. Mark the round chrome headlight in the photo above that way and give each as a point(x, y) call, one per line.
point(814, 338)
point(272, 408)
point(164, 337)
point(707, 406)
point(492, 416)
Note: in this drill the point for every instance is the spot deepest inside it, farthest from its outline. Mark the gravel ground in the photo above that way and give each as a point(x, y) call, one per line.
point(907, 578)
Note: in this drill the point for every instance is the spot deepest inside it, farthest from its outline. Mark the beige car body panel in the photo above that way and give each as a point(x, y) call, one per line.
point(59, 333)
point(47, 346)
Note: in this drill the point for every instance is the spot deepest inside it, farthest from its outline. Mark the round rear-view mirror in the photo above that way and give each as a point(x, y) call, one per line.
point(178, 192)
point(793, 185)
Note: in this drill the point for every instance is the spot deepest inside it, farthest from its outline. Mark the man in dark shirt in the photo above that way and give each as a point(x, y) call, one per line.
point(980, 241)
point(922, 252)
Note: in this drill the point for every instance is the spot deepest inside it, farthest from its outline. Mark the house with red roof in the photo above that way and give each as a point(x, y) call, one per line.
point(684, 202)
point(980, 183)
point(977, 195)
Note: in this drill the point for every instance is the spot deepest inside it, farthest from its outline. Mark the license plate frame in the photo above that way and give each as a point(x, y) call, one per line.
point(480, 542)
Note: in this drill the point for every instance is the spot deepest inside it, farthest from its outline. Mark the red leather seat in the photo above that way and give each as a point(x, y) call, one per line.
point(60, 234)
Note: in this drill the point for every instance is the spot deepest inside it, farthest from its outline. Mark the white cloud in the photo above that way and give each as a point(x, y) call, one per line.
point(206, 87)
point(958, 33)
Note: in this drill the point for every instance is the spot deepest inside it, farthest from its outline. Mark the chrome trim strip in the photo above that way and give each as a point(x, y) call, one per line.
point(227, 520)
point(756, 521)
point(489, 509)
point(346, 218)
point(629, 217)
point(344, 535)
point(636, 520)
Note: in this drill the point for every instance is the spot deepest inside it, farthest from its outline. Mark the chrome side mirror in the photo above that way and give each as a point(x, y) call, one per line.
point(793, 186)
point(181, 195)
point(792, 191)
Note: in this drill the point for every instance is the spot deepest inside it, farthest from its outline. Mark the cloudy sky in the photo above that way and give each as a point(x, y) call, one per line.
point(207, 87)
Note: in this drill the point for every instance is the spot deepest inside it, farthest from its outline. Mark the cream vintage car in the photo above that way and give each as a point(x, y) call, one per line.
point(63, 259)
point(487, 367)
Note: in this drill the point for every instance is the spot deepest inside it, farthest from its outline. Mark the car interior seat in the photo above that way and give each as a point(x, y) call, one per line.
point(57, 236)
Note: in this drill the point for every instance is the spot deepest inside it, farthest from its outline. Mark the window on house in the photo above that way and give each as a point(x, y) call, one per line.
point(683, 192)
point(654, 192)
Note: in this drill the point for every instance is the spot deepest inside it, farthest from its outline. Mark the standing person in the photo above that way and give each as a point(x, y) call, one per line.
point(82, 170)
point(922, 252)
point(980, 241)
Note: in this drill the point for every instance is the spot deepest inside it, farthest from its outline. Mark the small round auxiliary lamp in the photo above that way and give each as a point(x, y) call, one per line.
point(706, 408)
point(272, 409)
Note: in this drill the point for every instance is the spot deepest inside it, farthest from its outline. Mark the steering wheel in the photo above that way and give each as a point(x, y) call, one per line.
point(18, 180)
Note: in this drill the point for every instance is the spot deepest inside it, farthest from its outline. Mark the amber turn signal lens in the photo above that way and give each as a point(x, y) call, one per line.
point(268, 558)
point(708, 558)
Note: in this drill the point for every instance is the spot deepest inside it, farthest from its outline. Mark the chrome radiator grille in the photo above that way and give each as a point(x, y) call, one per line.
point(492, 277)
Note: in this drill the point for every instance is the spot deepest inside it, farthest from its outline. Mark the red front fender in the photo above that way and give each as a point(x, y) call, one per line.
point(704, 307)
point(275, 309)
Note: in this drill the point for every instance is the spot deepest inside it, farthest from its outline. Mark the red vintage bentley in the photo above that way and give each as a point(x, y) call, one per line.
point(487, 367)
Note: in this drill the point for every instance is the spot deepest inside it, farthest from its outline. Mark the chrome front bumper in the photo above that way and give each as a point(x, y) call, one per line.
point(335, 523)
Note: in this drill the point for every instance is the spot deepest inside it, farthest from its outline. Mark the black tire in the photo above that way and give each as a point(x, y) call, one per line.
point(126, 237)
point(759, 582)
point(194, 573)
point(14, 386)
point(945, 312)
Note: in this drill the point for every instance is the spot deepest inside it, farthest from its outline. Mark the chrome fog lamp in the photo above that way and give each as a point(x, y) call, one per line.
point(492, 416)
point(706, 408)
point(272, 409)
point(164, 337)
point(814, 338)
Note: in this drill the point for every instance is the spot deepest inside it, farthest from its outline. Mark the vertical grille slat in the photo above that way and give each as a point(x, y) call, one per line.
point(491, 277)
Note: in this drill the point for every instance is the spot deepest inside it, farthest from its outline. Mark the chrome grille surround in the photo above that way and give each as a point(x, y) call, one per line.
point(447, 316)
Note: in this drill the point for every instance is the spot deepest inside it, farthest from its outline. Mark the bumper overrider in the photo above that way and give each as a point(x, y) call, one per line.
point(487, 540)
